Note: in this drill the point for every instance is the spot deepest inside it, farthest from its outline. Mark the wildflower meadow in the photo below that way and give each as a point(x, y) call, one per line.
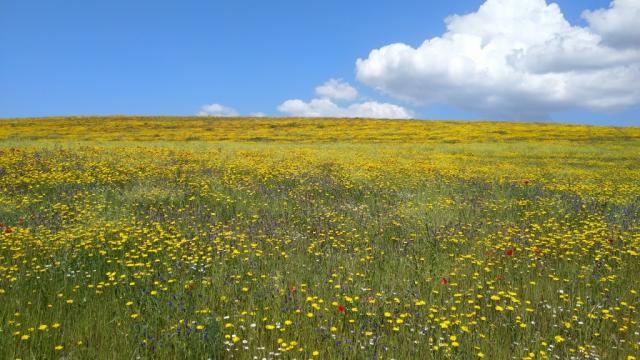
point(253, 238)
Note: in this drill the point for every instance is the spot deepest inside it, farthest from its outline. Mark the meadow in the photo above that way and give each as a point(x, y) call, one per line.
point(255, 238)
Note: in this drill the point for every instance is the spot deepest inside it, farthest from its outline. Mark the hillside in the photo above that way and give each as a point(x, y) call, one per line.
point(308, 238)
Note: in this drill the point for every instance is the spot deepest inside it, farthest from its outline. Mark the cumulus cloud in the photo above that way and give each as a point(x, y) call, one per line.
point(517, 59)
point(336, 89)
point(217, 110)
point(327, 108)
point(324, 105)
point(619, 25)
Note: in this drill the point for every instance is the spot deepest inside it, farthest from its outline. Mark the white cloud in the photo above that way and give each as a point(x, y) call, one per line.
point(327, 108)
point(517, 59)
point(619, 25)
point(336, 89)
point(217, 110)
point(324, 105)
point(258, 114)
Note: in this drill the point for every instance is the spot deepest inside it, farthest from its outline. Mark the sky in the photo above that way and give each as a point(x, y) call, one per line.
point(533, 60)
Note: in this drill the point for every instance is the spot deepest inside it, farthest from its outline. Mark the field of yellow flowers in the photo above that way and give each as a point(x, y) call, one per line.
point(256, 238)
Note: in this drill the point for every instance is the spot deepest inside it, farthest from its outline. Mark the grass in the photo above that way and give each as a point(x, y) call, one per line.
point(188, 238)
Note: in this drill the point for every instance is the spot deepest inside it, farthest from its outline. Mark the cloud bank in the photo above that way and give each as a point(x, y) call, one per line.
point(516, 59)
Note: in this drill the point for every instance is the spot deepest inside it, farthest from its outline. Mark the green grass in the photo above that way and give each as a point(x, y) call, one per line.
point(188, 236)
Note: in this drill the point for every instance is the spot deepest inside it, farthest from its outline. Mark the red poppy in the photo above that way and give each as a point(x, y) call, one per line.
point(8, 231)
point(341, 309)
point(499, 278)
point(444, 281)
point(293, 290)
point(525, 181)
point(508, 252)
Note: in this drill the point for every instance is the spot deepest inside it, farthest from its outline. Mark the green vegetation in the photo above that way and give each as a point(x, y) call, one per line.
point(293, 238)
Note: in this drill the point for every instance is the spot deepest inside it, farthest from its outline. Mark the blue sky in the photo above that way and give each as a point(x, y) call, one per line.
point(70, 57)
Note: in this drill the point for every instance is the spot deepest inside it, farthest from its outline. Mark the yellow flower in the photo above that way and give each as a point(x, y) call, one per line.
point(558, 339)
point(43, 327)
point(270, 327)
point(59, 347)
point(25, 337)
point(315, 353)
point(134, 316)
